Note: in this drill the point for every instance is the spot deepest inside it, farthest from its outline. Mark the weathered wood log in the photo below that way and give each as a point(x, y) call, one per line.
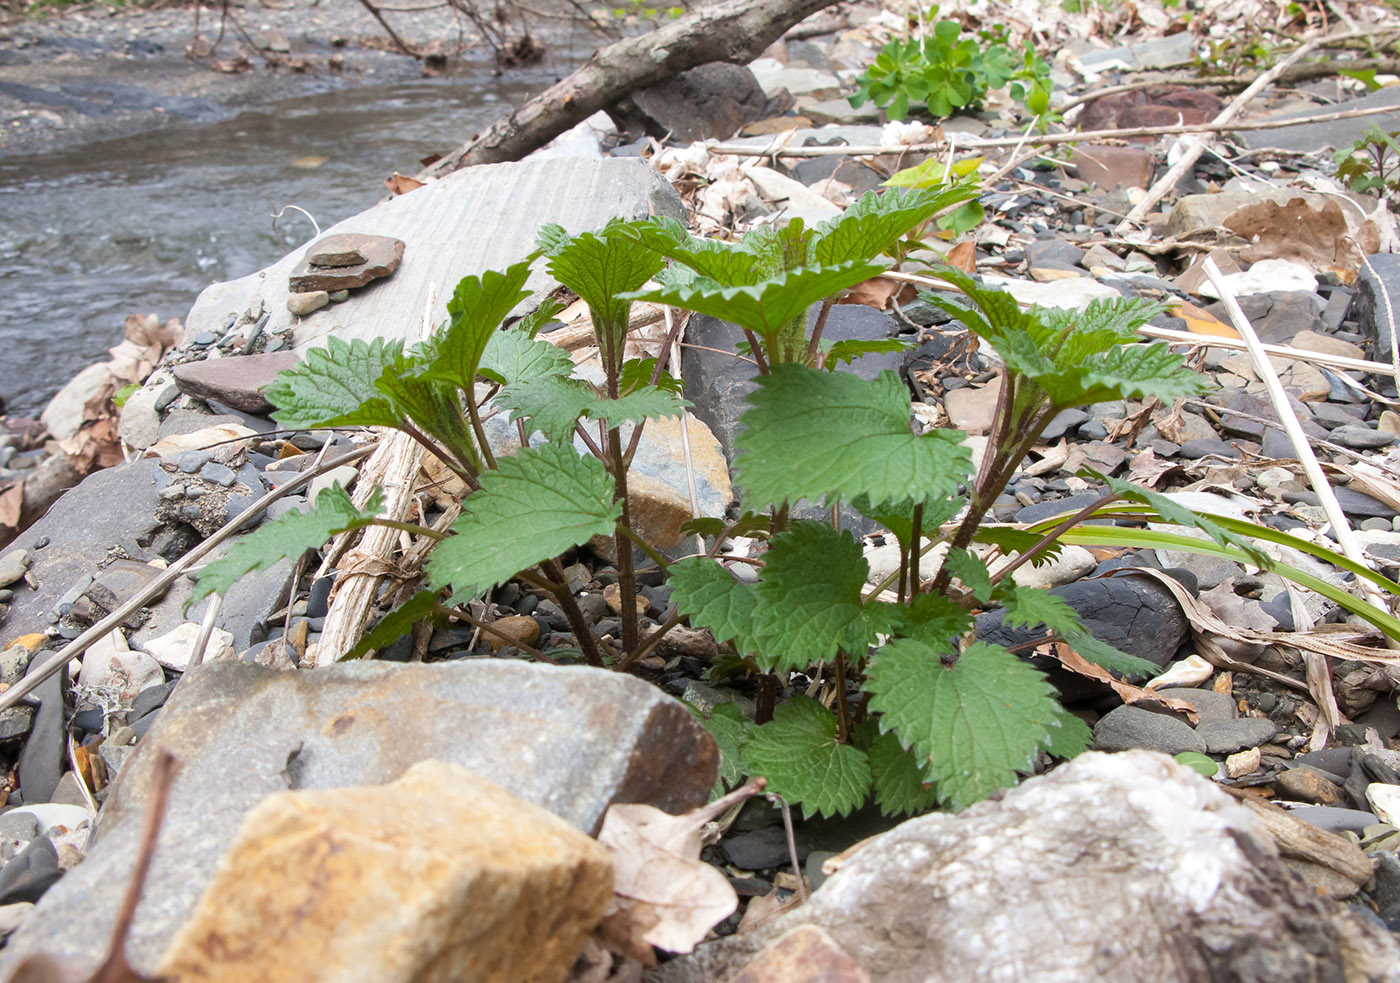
point(734, 31)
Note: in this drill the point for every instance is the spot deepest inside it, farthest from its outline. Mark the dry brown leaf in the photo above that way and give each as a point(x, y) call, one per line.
point(1200, 321)
point(1147, 469)
point(663, 894)
point(401, 185)
point(1127, 692)
point(963, 256)
point(1317, 237)
point(764, 909)
point(878, 291)
point(11, 501)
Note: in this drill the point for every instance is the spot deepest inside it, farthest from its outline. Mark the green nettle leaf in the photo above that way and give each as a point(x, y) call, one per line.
point(877, 221)
point(898, 517)
point(334, 387)
point(767, 307)
point(552, 405)
point(531, 324)
point(898, 777)
point(436, 407)
point(1017, 541)
point(601, 267)
point(748, 524)
point(512, 357)
point(827, 435)
point(636, 373)
point(648, 403)
point(286, 539)
point(730, 729)
point(934, 619)
point(476, 310)
point(1072, 738)
point(1027, 607)
point(810, 599)
point(706, 593)
point(969, 568)
point(976, 723)
point(798, 753)
point(535, 506)
point(846, 352)
point(396, 624)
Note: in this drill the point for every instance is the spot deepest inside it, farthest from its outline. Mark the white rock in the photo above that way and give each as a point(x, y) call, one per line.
point(1187, 672)
point(1264, 276)
point(1070, 294)
point(174, 648)
point(1385, 802)
point(12, 915)
point(1073, 563)
point(47, 815)
point(797, 200)
point(341, 476)
point(110, 665)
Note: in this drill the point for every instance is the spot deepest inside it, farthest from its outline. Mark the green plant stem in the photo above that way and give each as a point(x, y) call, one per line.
point(843, 712)
point(626, 574)
point(1050, 537)
point(814, 345)
point(588, 441)
point(650, 642)
point(766, 699)
point(474, 414)
point(759, 357)
point(537, 581)
point(904, 552)
point(463, 471)
point(916, 534)
point(582, 633)
point(651, 552)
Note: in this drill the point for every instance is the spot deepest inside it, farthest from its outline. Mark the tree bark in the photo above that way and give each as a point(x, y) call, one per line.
point(735, 31)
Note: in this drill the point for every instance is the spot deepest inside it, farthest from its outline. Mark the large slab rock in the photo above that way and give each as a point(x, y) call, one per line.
point(571, 740)
point(439, 877)
point(111, 509)
point(1113, 867)
point(237, 381)
point(472, 220)
point(1339, 134)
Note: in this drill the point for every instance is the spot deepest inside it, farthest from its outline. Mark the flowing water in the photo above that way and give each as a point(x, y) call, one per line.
point(142, 224)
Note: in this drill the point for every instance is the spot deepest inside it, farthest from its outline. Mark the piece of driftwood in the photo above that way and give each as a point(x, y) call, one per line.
point(733, 31)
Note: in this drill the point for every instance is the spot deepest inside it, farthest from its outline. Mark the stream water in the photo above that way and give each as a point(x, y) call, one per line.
point(142, 224)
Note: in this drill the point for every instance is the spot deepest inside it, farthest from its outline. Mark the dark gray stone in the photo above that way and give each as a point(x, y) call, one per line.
point(42, 759)
point(114, 507)
point(759, 849)
point(1062, 423)
point(1361, 437)
point(1131, 727)
point(1339, 134)
point(219, 474)
point(31, 873)
point(1372, 316)
point(1335, 820)
point(1229, 736)
point(1208, 703)
point(1198, 447)
point(1277, 315)
point(1058, 506)
point(1056, 254)
point(709, 101)
point(571, 740)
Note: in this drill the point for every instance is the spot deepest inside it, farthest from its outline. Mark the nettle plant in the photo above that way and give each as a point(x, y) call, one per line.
point(900, 701)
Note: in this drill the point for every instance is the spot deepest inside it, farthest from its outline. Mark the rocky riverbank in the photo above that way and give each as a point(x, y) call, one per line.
point(1291, 702)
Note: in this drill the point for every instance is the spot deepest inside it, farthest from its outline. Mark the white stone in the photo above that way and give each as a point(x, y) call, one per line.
point(140, 423)
point(47, 815)
point(1073, 563)
point(174, 648)
point(1186, 672)
point(341, 476)
point(1069, 294)
point(109, 665)
point(1264, 276)
point(792, 198)
point(1384, 800)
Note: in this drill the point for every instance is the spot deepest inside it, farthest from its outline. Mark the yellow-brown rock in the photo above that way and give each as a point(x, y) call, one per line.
point(439, 877)
point(516, 627)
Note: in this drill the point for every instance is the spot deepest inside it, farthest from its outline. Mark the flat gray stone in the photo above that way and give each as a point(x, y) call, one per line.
point(237, 381)
point(114, 507)
point(503, 206)
point(1208, 703)
point(1229, 736)
point(1132, 727)
point(572, 740)
point(1338, 134)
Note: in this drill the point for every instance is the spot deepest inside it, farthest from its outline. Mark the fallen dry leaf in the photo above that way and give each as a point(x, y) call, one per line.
point(1317, 237)
point(764, 909)
point(401, 185)
point(963, 256)
point(663, 894)
point(1127, 692)
point(11, 500)
point(1199, 321)
point(878, 291)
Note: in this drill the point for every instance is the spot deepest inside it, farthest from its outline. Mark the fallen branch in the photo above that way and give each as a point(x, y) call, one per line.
point(1192, 149)
point(1051, 139)
point(734, 31)
point(393, 35)
point(1306, 72)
